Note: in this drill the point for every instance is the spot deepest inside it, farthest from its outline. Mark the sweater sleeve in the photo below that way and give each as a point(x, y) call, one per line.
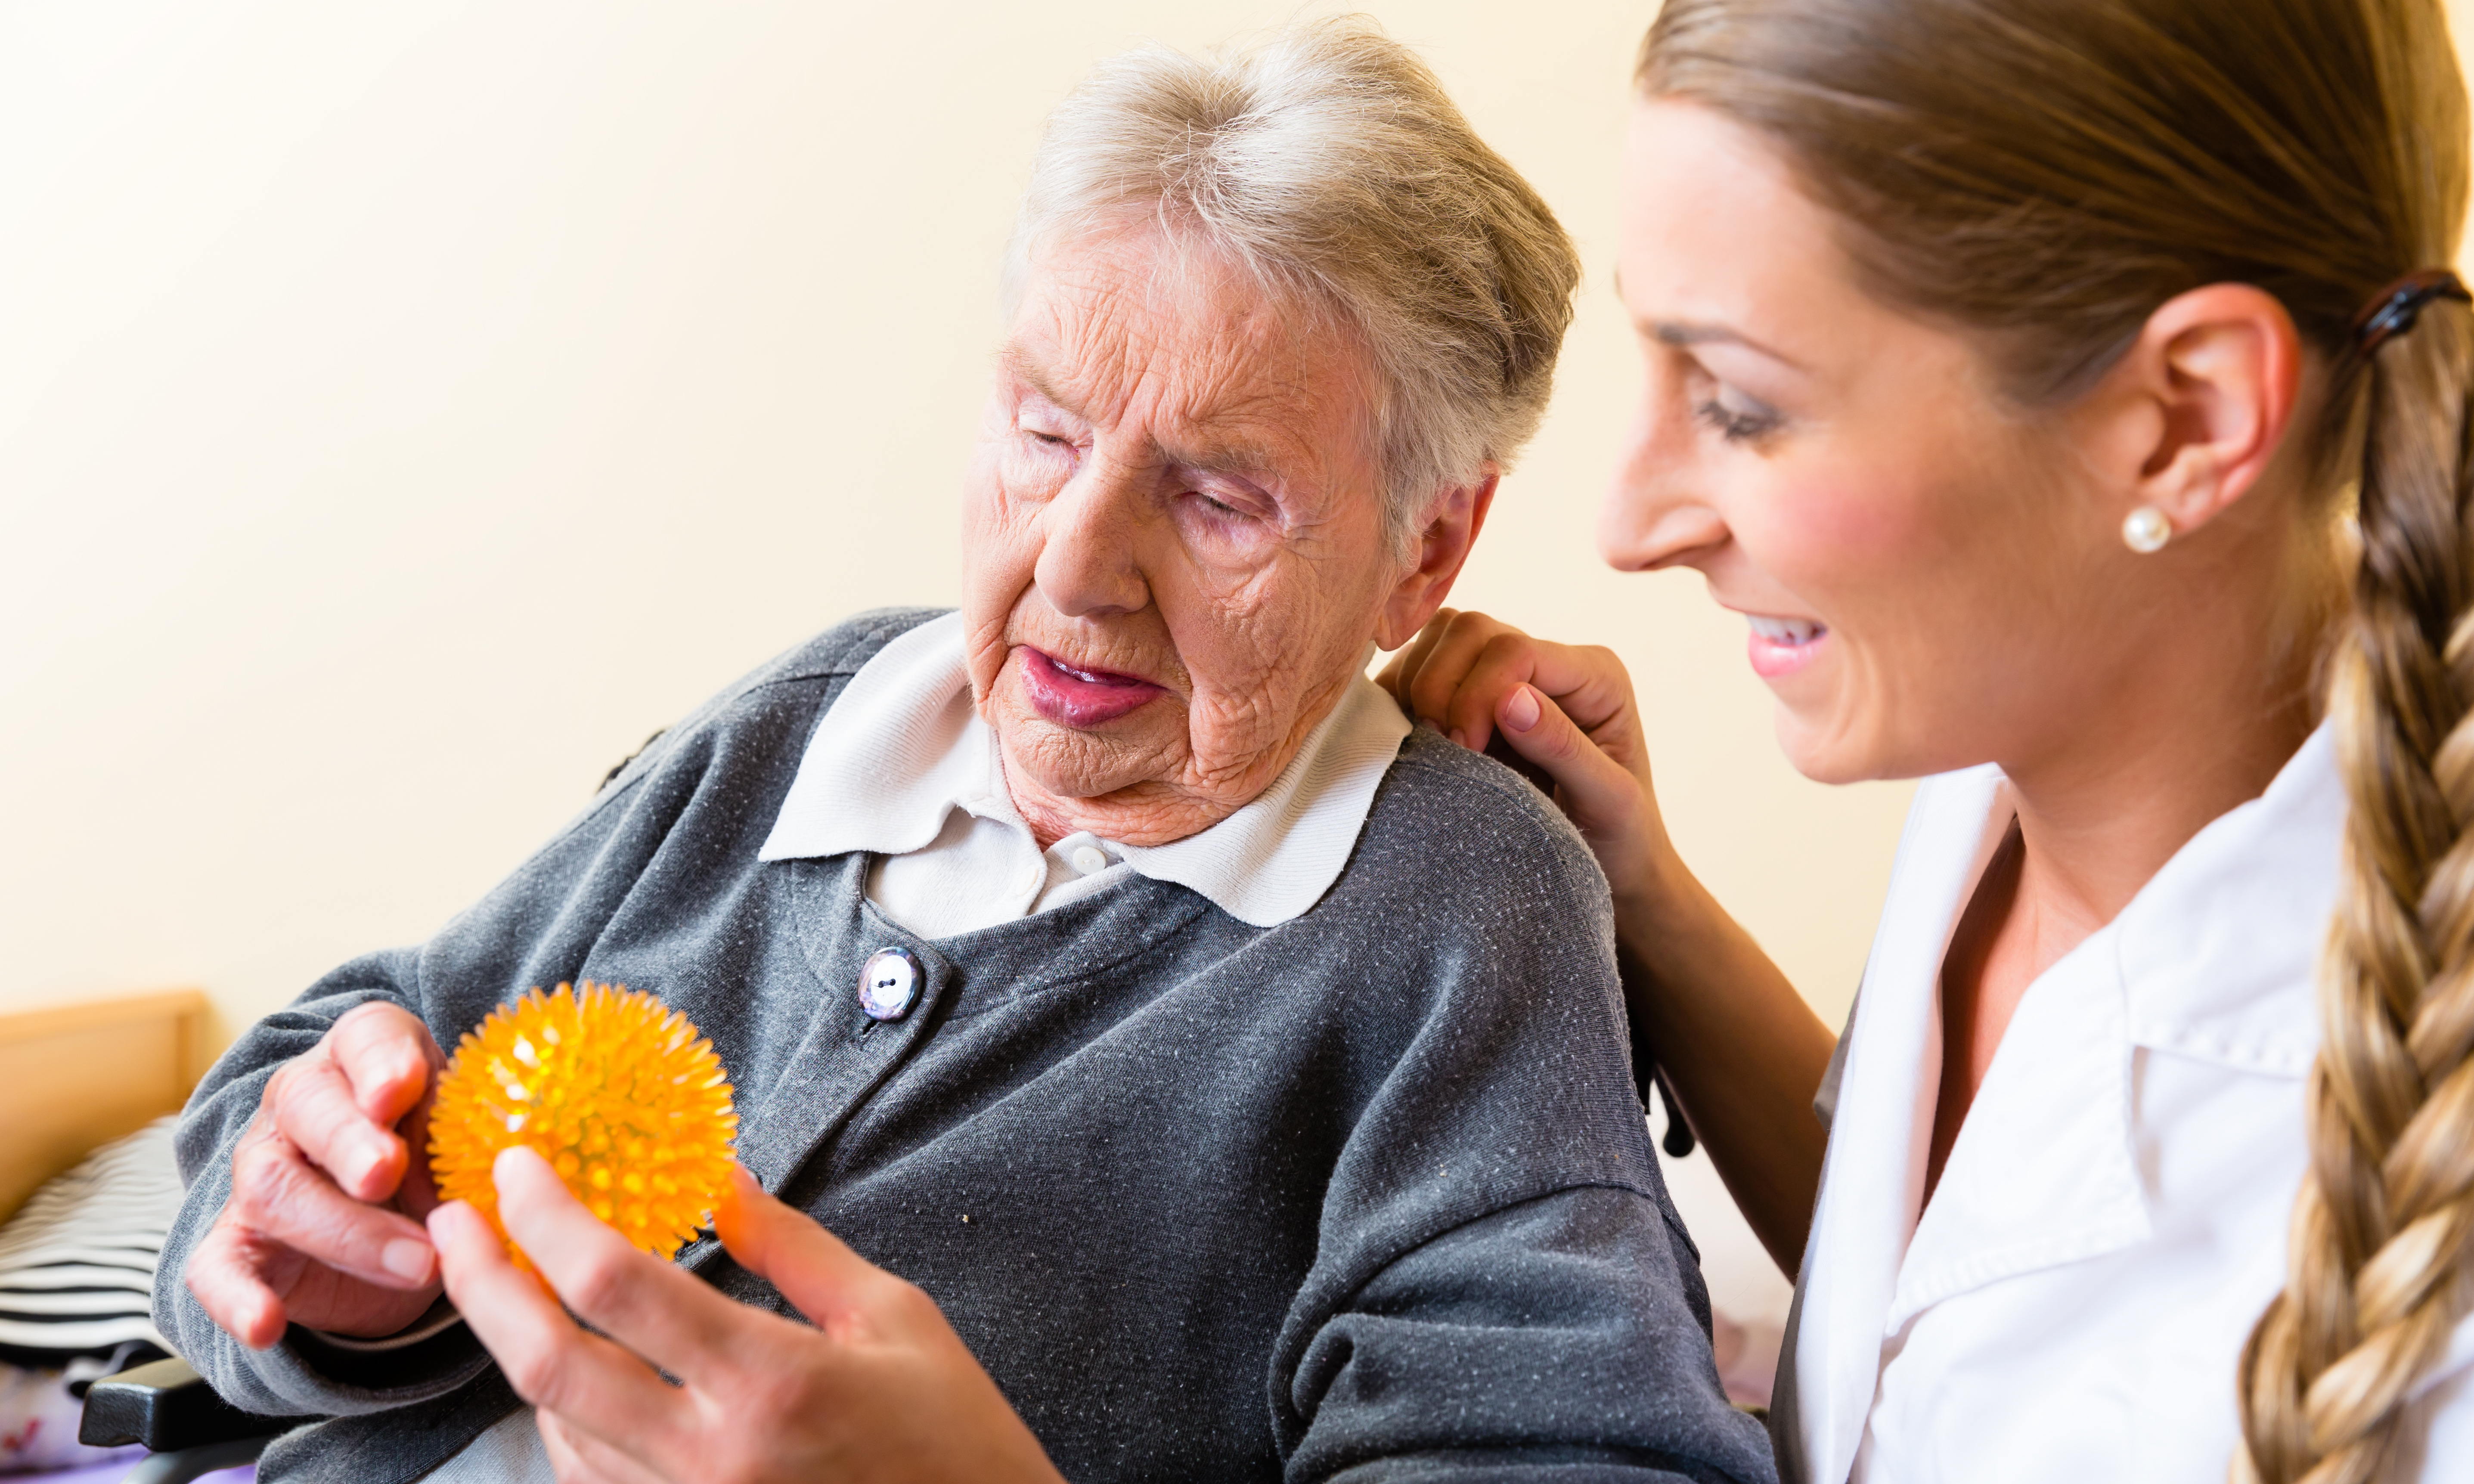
point(1503, 1290)
point(1559, 1338)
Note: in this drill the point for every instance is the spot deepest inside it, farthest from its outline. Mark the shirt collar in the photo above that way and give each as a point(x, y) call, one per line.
point(2220, 950)
point(904, 748)
point(889, 761)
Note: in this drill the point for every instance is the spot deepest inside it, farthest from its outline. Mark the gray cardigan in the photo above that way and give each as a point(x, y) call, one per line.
point(1365, 1195)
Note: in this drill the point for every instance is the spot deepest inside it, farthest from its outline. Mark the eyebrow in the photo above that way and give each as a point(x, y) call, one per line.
point(1684, 334)
point(1017, 360)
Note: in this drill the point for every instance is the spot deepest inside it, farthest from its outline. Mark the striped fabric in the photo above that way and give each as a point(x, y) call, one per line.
point(77, 1262)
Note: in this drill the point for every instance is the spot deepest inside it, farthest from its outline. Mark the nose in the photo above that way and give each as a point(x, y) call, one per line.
point(1652, 517)
point(1088, 565)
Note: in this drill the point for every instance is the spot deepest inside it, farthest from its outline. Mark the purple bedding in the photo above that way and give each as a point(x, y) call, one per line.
point(112, 1472)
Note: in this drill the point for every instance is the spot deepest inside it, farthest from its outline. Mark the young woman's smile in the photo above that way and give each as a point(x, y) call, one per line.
point(1782, 646)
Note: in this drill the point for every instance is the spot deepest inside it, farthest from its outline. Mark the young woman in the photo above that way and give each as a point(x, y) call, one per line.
point(2072, 395)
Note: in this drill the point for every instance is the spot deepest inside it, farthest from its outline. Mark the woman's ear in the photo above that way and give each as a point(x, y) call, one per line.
point(1442, 549)
point(2197, 408)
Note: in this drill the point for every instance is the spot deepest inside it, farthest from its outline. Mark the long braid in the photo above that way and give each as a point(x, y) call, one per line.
point(2379, 1249)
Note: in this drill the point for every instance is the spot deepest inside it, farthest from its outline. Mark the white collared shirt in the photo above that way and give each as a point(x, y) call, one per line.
point(902, 767)
point(2112, 1217)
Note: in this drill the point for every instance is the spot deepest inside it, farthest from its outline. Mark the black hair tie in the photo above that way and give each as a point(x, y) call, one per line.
point(2393, 310)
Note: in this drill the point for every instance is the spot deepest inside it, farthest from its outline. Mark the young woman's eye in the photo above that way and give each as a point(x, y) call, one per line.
point(1738, 424)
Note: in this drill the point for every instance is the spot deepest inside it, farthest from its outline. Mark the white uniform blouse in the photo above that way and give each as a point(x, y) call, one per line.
point(2112, 1217)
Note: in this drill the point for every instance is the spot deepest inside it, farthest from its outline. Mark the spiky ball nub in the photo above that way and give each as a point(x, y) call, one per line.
point(615, 1089)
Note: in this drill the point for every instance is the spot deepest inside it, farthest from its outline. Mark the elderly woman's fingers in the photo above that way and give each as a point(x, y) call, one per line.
point(339, 1101)
point(393, 1064)
point(311, 1104)
point(638, 1300)
point(254, 1286)
point(388, 1054)
point(303, 1238)
point(279, 1194)
point(229, 1273)
point(552, 1363)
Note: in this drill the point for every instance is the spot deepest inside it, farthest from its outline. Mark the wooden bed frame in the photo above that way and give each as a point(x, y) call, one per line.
point(78, 1075)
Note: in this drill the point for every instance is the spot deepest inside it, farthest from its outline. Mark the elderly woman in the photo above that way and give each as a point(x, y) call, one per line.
point(1209, 1075)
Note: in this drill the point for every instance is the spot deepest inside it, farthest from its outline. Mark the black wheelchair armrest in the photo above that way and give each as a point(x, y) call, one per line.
point(167, 1406)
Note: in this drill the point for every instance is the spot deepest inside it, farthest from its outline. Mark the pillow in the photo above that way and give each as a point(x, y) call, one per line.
point(77, 1262)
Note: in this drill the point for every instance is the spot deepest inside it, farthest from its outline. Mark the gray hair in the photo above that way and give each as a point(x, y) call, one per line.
point(1328, 163)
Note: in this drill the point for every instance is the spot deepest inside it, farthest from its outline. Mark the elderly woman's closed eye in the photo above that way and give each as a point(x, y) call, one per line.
point(1178, 542)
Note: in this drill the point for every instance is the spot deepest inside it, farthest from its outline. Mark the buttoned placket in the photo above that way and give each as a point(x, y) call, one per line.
point(844, 1055)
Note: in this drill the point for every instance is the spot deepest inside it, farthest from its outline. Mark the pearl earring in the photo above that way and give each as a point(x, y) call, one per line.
point(2145, 530)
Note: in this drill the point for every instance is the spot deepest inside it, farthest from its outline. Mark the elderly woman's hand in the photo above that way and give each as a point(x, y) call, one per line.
point(882, 1388)
point(323, 1224)
point(1568, 709)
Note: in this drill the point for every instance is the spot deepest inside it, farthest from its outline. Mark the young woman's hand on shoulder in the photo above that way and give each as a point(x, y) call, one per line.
point(1566, 709)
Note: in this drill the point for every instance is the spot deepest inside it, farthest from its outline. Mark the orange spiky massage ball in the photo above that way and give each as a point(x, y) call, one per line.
point(615, 1089)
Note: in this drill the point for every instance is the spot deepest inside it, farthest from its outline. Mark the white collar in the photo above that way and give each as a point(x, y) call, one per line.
point(2220, 949)
point(904, 748)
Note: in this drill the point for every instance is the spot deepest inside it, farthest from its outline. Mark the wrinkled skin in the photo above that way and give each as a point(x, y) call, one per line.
point(1176, 482)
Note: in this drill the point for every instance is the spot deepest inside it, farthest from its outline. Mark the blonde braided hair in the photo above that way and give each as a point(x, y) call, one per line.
point(2049, 173)
point(2377, 1261)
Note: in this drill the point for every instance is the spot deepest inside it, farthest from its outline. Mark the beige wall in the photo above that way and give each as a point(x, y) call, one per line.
point(404, 410)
